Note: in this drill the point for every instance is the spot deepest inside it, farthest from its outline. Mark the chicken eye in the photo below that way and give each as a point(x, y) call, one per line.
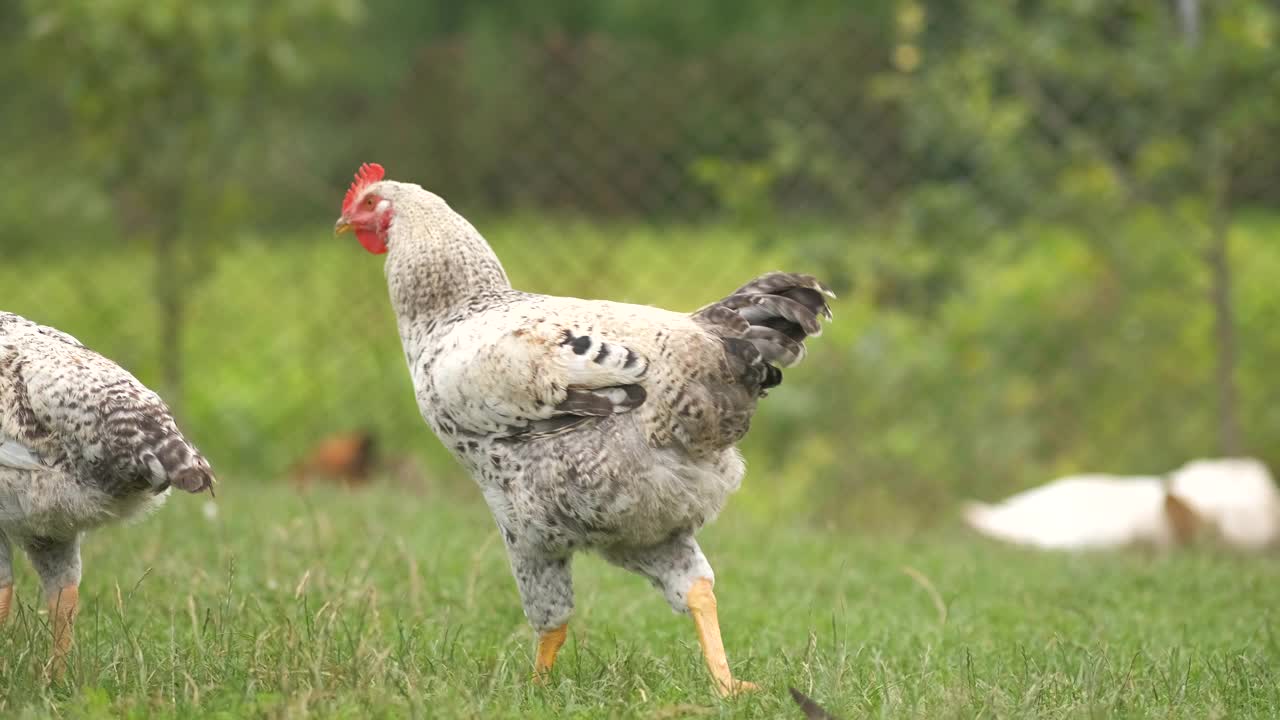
point(368, 202)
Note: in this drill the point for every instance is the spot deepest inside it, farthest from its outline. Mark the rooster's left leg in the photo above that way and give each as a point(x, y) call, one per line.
point(549, 644)
point(678, 568)
point(6, 577)
point(58, 564)
point(546, 590)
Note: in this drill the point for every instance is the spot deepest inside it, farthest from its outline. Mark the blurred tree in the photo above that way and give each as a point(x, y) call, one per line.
point(1085, 113)
point(1024, 206)
point(164, 102)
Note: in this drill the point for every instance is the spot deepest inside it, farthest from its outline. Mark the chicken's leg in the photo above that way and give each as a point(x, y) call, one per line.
point(63, 607)
point(549, 644)
point(6, 578)
point(681, 571)
point(546, 590)
point(58, 564)
point(702, 605)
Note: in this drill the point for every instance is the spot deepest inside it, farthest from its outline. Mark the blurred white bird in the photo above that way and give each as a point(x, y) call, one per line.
point(1086, 512)
point(1234, 500)
point(1237, 497)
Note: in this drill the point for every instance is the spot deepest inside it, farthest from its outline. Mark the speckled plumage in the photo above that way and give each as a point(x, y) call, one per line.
point(588, 425)
point(82, 442)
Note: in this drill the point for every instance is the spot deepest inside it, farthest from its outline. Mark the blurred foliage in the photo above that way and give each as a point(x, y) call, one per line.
point(1019, 203)
point(171, 110)
point(157, 97)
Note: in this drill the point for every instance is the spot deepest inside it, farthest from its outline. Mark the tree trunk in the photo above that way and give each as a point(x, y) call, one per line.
point(1218, 256)
point(1189, 17)
point(170, 310)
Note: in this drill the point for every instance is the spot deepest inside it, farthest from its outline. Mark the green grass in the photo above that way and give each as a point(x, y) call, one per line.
point(393, 604)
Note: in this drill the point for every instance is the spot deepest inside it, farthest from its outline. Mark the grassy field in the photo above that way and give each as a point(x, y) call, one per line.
point(388, 604)
point(392, 604)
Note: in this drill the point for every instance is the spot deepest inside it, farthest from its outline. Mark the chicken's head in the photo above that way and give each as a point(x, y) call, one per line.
point(365, 211)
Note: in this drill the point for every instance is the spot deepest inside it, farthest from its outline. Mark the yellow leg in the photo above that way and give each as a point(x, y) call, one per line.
point(62, 617)
point(6, 601)
point(702, 605)
point(548, 645)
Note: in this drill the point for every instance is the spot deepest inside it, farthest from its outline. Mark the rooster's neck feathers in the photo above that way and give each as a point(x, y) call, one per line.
point(438, 266)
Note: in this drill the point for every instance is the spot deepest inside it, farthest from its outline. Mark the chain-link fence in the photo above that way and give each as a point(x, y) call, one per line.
point(1050, 224)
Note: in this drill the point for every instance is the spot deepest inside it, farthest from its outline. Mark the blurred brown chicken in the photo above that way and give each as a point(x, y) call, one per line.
point(346, 458)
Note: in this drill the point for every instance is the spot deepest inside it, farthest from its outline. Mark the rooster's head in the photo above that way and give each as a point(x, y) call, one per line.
point(365, 211)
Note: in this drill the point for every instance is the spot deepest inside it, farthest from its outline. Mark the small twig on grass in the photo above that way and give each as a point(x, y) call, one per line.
point(681, 711)
point(415, 578)
point(923, 582)
point(474, 573)
point(302, 584)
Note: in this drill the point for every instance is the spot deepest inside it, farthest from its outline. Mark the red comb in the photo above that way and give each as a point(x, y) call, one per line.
point(368, 174)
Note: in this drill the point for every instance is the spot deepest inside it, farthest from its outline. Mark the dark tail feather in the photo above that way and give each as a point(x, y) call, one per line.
point(756, 309)
point(176, 462)
point(775, 346)
point(811, 709)
point(193, 479)
point(747, 364)
point(602, 401)
point(775, 313)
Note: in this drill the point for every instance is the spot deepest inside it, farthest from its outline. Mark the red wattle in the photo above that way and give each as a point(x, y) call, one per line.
point(371, 241)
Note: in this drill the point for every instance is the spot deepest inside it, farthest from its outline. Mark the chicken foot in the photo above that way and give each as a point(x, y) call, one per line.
point(63, 607)
point(6, 578)
point(680, 570)
point(702, 605)
point(549, 644)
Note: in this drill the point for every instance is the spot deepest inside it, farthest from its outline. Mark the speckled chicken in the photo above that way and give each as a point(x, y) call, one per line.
point(82, 443)
point(588, 425)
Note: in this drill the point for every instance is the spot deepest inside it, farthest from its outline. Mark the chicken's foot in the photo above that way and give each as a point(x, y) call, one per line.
point(702, 605)
point(549, 644)
point(63, 606)
point(6, 578)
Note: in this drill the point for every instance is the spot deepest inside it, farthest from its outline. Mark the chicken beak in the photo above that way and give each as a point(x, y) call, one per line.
point(341, 226)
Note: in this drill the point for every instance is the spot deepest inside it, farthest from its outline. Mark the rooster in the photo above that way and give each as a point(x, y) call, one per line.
point(588, 425)
point(82, 443)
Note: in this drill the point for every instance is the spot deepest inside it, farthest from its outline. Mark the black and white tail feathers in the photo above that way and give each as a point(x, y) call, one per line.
point(764, 323)
point(144, 436)
point(67, 407)
point(181, 465)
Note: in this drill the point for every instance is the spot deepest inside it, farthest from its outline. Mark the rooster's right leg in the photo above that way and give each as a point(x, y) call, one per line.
point(546, 590)
point(678, 568)
point(58, 564)
point(6, 578)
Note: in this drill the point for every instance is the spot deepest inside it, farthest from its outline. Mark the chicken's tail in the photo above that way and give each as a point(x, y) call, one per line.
point(183, 466)
point(981, 517)
point(157, 446)
point(1005, 524)
point(767, 321)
